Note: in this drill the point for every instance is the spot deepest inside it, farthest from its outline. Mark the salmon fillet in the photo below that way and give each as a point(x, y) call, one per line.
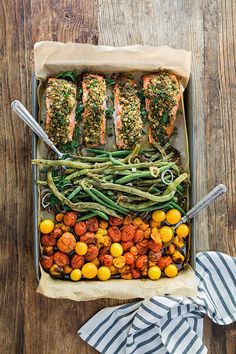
point(61, 105)
point(162, 93)
point(127, 116)
point(94, 102)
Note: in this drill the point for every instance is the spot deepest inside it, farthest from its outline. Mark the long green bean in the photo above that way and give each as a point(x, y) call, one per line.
point(130, 190)
point(90, 192)
point(75, 191)
point(81, 206)
point(175, 183)
point(140, 206)
point(108, 200)
point(176, 206)
point(94, 213)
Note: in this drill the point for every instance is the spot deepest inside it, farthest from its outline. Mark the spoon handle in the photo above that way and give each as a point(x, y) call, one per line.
point(24, 115)
point(204, 202)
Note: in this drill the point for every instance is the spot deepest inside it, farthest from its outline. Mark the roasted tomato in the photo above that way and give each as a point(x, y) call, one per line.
point(107, 241)
point(47, 240)
point(104, 250)
point(141, 262)
point(147, 233)
point(164, 262)
point(127, 220)
point(88, 237)
point(48, 250)
point(153, 246)
point(119, 262)
point(139, 235)
point(113, 221)
point(154, 256)
point(144, 226)
point(46, 261)
point(127, 245)
point(106, 259)
point(80, 228)
point(128, 232)
point(135, 272)
point(142, 247)
point(170, 249)
point(70, 218)
point(137, 222)
point(134, 250)
point(92, 224)
point(59, 217)
point(61, 259)
point(56, 233)
point(129, 258)
point(91, 253)
point(77, 261)
point(66, 242)
point(103, 224)
point(67, 270)
point(125, 273)
point(114, 233)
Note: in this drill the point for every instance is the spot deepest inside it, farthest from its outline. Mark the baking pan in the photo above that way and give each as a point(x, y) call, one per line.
point(188, 104)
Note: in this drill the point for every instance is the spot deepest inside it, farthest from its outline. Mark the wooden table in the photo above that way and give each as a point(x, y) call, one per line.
point(31, 323)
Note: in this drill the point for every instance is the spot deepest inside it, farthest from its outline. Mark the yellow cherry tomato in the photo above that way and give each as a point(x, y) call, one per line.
point(81, 248)
point(116, 250)
point(46, 226)
point(119, 262)
point(89, 270)
point(182, 230)
point(158, 216)
point(76, 274)
point(101, 231)
point(154, 272)
point(104, 273)
point(166, 233)
point(171, 271)
point(173, 216)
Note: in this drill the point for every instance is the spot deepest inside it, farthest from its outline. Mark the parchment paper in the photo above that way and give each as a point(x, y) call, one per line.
point(51, 58)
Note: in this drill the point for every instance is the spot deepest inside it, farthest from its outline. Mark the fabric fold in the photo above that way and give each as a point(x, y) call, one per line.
point(168, 324)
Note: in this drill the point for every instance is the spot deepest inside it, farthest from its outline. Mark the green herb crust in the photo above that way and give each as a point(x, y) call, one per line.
point(162, 93)
point(128, 115)
point(61, 102)
point(94, 96)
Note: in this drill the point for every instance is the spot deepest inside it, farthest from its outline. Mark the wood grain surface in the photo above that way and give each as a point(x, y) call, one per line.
point(30, 323)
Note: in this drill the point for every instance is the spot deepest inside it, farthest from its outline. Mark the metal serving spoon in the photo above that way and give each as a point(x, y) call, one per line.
point(24, 115)
point(203, 203)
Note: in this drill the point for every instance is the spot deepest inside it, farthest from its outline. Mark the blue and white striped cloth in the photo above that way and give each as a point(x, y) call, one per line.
point(168, 324)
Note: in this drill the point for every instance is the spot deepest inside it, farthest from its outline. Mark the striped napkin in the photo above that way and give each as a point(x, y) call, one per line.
point(168, 324)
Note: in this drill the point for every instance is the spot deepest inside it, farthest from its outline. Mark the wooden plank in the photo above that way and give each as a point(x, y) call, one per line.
point(30, 322)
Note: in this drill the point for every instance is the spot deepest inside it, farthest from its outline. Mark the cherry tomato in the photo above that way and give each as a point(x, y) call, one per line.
point(129, 258)
point(114, 221)
point(92, 224)
point(56, 233)
point(61, 259)
point(171, 271)
point(89, 270)
point(114, 233)
point(80, 228)
point(106, 259)
point(127, 220)
point(154, 272)
point(104, 273)
point(154, 256)
point(164, 262)
point(142, 247)
point(127, 245)
point(128, 232)
point(173, 216)
point(47, 241)
point(75, 275)
point(103, 224)
point(182, 230)
point(116, 249)
point(88, 237)
point(59, 217)
point(135, 272)
point(166, 233)
point(66, 242)
point(70, 218)
point(91, 253)
point(139, 235)
point(81, 248)
point(119, 262)
point(46, 261)
point(77, 261)
point(158, 216)
point(46, 226)
point(153, 246)
point(141, 262)
point(134, 250)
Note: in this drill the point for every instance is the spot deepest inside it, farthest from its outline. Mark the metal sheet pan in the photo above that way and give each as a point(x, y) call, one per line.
point(188, 104)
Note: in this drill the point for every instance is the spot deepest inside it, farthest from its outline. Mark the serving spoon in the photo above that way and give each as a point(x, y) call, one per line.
point(203, 203)
point(25, 115)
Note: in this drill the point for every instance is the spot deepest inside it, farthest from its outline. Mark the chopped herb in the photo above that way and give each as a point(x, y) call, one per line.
point(109, 112)
point(68, 75)
point(110, 82)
